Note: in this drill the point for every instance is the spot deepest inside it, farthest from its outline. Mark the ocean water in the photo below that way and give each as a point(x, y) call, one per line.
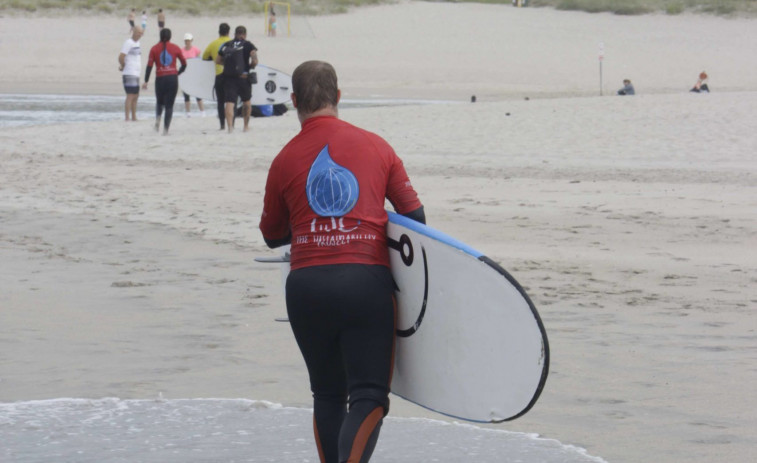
point(18, 110)
point(239, 430)
point(24, 110)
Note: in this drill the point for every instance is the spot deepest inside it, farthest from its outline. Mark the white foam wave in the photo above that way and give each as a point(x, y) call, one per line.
point(226, 430)
point(17, 110)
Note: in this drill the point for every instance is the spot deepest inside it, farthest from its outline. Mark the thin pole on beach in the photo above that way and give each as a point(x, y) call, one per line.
point(601, 58)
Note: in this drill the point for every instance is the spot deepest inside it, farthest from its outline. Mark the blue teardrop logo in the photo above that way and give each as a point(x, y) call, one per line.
point(165, 58)
point(332, 189)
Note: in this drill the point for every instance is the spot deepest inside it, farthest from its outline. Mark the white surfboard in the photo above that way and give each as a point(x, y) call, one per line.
point(283, 259)
point(470, 343)
point(198, 80)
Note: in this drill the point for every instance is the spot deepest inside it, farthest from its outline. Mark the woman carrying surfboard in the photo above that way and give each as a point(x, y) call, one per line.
point(325, 194)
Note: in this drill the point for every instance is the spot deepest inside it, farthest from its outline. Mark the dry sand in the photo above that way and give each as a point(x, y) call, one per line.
point(438, 51)
point(127, 256)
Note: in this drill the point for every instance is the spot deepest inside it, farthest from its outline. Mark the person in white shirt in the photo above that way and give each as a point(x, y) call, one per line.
point(130, 65)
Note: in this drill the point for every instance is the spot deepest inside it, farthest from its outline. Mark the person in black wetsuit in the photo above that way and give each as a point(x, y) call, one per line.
point(237, 82)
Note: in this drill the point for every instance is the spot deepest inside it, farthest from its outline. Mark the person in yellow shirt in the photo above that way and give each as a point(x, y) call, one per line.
point(210, 54)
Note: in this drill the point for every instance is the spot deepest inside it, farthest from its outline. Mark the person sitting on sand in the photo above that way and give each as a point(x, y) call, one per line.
point(701, 85)
point(627, 88)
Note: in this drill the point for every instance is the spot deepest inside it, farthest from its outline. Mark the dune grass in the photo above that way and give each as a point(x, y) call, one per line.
point(635, 7)
point(312, 7)
point(180, 7)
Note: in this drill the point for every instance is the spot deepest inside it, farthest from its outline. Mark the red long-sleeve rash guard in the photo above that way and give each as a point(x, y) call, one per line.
point(165, 56)
point(328, 186)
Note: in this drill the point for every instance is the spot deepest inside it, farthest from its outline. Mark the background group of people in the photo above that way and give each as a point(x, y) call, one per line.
point(132, 17)
point(232, 82)
point(699, 87)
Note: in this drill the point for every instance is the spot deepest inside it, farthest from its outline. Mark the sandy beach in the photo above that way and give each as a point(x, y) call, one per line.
point(127, 257)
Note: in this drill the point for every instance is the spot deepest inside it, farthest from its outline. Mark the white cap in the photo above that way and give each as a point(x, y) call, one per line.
point(188, 36)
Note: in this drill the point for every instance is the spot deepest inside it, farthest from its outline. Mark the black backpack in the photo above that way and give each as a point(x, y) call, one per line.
point(233, 59)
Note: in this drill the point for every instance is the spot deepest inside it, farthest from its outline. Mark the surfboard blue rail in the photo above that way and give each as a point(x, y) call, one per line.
point(432, 233)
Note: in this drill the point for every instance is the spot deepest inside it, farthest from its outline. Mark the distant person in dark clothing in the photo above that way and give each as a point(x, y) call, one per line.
point(627, 88)
point(265, 110)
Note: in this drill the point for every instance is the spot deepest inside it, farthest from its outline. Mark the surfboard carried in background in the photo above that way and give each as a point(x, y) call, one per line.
point(470, 343)
point(273, 86)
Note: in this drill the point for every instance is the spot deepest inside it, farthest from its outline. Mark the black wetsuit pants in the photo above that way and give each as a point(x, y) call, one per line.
point(220, 100)
point(343, 317)
point(166, 88)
